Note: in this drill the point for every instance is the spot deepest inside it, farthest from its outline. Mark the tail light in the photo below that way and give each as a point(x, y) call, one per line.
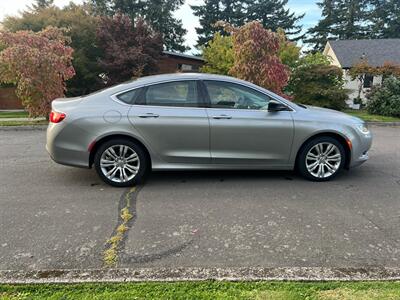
point(56, 117)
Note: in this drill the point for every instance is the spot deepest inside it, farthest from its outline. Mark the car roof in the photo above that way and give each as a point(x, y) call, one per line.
point(152, 79)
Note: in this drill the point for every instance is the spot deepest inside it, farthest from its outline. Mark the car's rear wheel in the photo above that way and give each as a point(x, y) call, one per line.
point(121, 162)
point(321, 159)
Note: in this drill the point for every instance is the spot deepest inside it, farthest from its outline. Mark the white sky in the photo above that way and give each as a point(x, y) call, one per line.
point(13, 7)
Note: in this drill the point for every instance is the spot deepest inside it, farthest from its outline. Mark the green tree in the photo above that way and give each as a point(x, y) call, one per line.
point(212, 11)
point(81, 27)
point(271, 13)
point(38, 64)
point(157, 13)
point(218, 55)
point(341, 19)
point(319, 34)
point(40, 4)
point(289, 52)
point(316, 82)
point(384, 19)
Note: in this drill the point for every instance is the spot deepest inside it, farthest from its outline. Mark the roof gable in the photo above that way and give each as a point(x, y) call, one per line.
point(377, 52)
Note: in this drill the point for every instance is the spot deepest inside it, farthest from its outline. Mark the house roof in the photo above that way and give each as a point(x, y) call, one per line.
point(377, 52)
point(170, 53)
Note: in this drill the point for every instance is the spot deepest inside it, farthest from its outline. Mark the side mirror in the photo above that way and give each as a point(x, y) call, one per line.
point(274, 106)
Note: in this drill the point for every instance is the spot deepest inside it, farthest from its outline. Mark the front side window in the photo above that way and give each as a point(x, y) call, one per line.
point(177, 93)
point(235, 96)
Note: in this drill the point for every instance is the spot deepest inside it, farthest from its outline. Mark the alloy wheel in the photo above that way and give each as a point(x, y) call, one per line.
point(119, 163)
point(323, 160)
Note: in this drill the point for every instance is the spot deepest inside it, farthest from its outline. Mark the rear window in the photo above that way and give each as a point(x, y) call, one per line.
point(128, 96)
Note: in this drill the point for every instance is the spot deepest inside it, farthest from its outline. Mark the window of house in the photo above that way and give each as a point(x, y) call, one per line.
point(368, 80)
point(188, 68)
point(176, 93)
point(230, 95)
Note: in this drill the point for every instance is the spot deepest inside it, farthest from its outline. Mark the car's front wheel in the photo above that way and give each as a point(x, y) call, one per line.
point(321, 159)
point(121, 162)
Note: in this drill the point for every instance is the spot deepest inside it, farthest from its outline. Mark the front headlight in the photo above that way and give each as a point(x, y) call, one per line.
point(363, 128)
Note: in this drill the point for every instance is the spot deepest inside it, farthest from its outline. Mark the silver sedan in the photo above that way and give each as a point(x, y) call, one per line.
point(200, 121)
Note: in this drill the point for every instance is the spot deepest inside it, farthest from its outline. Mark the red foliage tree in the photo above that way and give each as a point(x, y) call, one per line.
point(38, 64)
point(129, 50)
point(256, 57)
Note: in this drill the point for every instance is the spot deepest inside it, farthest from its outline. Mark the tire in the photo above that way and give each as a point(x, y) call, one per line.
point(321, 164)
point(125, 169)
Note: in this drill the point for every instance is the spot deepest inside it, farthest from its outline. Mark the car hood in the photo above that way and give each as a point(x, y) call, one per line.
point(327, 113)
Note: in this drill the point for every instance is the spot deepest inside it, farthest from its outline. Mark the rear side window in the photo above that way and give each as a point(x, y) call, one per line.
point(176, 93)
point(128, 96)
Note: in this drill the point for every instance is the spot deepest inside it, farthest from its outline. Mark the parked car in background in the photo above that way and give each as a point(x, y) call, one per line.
point(200, 121)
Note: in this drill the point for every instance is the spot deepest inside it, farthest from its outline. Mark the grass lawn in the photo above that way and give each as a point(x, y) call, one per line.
point(22, 123)
point(14, 114)
point(362, 114)
point(207, 290)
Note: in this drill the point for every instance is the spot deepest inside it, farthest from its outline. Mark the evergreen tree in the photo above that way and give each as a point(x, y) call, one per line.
point(272, 14)
point(352, 16)
point(341, 19)
point(212, 11)
point(319, 34)
point(157, 13)
point(385, 18)
point(40, 4)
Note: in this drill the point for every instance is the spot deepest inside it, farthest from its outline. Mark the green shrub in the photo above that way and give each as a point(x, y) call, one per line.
point(319, 85)
point(385, 99)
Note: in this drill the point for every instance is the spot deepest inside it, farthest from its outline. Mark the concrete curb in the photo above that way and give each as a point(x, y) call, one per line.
point(23, 128)
point(199, 274)
point(384, 124)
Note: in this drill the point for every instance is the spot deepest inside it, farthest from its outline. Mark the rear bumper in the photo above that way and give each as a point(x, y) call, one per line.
point(64, 146)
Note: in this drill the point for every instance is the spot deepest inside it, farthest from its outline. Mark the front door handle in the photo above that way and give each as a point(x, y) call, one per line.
point(222, 117)
point(149, 115)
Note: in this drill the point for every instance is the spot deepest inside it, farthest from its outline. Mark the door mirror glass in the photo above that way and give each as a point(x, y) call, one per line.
point(274, 106)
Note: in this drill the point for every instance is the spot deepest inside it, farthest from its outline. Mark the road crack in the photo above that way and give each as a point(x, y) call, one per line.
point(127, 212)
point(114, 252)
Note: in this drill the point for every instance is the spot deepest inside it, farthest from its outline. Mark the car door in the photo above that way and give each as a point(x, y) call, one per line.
point(170, 119)
point(242, 131)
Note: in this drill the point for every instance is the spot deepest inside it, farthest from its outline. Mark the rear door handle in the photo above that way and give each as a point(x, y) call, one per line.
point(222, 117)
point(149, 115)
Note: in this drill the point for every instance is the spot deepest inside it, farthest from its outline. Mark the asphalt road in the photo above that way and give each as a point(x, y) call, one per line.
point(57, 217)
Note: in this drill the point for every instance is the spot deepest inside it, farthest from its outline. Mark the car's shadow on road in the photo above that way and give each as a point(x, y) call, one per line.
point(222, 175)
point(85, 177)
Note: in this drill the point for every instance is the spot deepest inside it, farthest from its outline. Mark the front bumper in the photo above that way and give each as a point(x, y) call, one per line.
point(361, 145)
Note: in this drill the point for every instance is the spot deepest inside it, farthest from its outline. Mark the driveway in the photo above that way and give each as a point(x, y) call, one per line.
point(57, 217)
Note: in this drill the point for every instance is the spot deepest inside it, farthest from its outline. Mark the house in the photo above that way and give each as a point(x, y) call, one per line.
point(8, 99)
point(346, 53)
point(172, 62)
